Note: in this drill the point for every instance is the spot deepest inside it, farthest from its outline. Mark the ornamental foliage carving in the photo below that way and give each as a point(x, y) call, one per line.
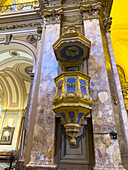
point(107, 23)
point(91, 10)
point(52, 16)
point(19, 26)
point(97, 10)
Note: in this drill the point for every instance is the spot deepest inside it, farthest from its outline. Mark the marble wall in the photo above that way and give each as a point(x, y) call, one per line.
point(44, 126)
point(107, 154)
point(120, 111)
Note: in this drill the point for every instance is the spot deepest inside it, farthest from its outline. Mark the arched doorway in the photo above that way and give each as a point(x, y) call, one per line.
point(17, 60)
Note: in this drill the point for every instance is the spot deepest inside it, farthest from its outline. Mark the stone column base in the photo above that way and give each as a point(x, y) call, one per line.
point(38, 166)
point(108, 168)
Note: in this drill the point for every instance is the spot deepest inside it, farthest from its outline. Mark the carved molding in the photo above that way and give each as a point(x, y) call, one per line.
point(19, 26)
point(52, 16)
point(19, 18)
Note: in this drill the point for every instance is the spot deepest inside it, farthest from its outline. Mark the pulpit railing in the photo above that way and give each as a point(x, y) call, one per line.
point(18, 7)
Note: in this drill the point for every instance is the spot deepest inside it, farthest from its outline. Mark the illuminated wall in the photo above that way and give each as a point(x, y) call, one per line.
point(9, 2)
point(119, 30)
point(119, 33)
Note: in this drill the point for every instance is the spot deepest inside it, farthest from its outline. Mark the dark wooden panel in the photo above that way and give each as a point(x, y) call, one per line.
point(80, 156)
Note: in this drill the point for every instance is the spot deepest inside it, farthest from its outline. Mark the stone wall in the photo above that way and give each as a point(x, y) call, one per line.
point(107, 153)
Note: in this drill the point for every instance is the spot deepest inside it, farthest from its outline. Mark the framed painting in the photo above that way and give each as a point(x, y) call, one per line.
point(7, 135)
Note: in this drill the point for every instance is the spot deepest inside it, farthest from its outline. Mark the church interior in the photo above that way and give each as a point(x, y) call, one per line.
point(63, 84)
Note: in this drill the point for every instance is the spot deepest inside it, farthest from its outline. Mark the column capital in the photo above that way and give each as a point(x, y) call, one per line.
point(91, 11)
point(52, 16)
point(107, 23)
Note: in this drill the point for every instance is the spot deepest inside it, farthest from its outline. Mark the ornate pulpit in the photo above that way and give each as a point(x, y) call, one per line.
point(72, 99)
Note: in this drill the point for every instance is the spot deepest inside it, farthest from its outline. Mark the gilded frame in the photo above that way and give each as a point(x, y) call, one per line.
point(7, 135)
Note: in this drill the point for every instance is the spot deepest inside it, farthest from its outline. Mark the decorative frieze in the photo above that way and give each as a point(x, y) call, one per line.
point(19, 26)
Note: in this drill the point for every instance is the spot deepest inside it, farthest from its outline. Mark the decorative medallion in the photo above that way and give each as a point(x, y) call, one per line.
point(14, 53)
point(72, 51)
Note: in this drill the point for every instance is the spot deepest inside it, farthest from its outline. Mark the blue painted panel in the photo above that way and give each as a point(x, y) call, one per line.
point(83, 89)
point(64, 117)
point(72, 70)
point(82, 82)
point(59, 89)
point(71, 86)
point(60, 83)
point(71, 115)
point(80, 115)
point(71, 80)
point(71, 89)
point(72, 131)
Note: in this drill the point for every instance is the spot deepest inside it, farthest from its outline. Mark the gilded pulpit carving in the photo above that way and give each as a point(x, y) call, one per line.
point(72, 100)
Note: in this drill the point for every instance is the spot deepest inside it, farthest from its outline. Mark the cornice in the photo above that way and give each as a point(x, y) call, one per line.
point(19, 26)
point(18, 17)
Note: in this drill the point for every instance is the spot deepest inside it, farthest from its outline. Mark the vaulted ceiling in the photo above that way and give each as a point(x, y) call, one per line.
point(14, 79)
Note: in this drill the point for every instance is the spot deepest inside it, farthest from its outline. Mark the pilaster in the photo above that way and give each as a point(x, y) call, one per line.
point(120, 108)
point(42, 151)
point(34, 97)
point(107, 151)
